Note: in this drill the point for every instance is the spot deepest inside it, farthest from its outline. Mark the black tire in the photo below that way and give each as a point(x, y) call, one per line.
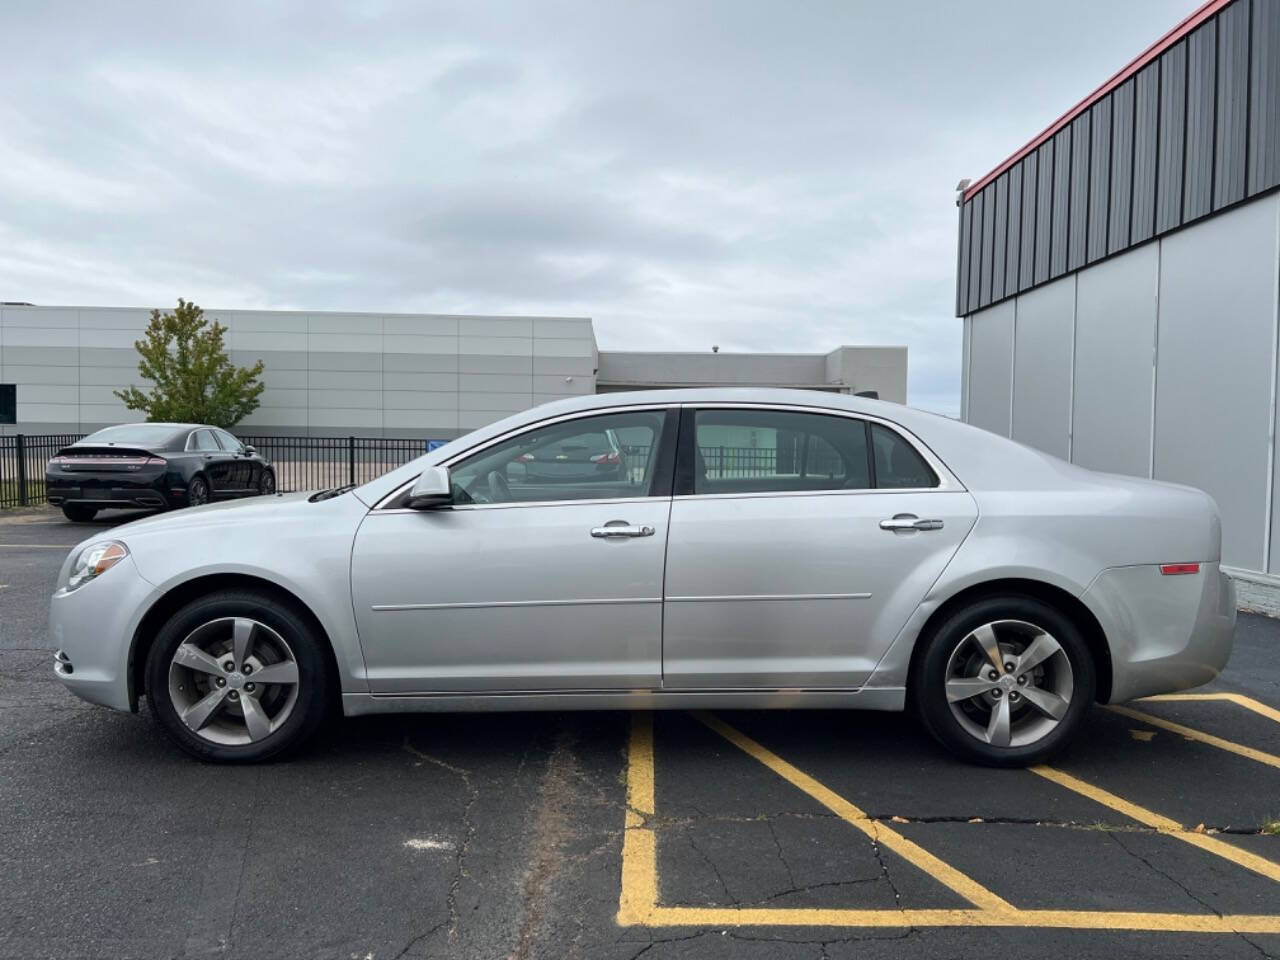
point(77, 513)
point(267, 483)
point(929, 676)
point(197, 491)
point(315, 682)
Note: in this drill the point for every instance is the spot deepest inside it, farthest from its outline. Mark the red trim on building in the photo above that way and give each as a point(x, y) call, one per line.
point(1160, 46)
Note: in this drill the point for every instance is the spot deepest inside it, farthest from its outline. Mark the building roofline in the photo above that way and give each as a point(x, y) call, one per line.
point(1193, 20)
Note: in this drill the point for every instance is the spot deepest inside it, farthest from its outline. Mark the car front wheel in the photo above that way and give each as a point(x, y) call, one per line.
point(1005, 681)
point(237, 677)
point(267, 483)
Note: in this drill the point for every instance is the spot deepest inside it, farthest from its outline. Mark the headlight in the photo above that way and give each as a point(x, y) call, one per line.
point(95, 560)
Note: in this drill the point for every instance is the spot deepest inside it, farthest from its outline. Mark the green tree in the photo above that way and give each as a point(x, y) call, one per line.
point(193, 379)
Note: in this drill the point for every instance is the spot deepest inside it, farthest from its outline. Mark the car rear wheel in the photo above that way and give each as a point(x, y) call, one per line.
point(197, 491)
point(78, 514)
point(237, 677)
point(1005, 681)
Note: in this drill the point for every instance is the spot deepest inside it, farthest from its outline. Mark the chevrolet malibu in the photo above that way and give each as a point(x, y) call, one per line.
point(764, 549)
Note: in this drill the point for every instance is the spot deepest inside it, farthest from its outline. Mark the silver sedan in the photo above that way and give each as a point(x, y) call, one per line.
point(728, 548)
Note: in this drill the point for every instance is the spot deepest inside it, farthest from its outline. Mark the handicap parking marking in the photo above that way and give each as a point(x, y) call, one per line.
point(1239, 749)
point(1256, 706)
point(879, 833)
point(639, 903)
point(1162, 824)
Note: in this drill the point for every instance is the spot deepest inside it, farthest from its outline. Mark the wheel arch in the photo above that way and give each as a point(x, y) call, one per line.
point(181, 594)
point(1070, 605)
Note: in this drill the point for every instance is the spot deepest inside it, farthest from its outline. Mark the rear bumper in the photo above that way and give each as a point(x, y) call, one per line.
point(1166, 633)
point(110, 491)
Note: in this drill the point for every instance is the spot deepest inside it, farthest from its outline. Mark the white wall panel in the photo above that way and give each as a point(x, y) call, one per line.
point(562, 348)
point(422, 326)
point(1042, 367)
point(435, 382)
point(62, 337)
point(106, 337)
point(500, 346)
point(1215, 363)
point(1115, 363)
point(563, 329)
point(416, 343)
point(419, 400)
point(495, 327)
point(39, 317)
point(991, 367)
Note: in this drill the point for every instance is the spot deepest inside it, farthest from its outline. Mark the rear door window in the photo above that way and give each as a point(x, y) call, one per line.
point(778, 451)
point(203, 441)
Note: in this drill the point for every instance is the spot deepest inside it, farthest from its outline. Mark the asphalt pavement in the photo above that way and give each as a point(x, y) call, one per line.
point(806, 834)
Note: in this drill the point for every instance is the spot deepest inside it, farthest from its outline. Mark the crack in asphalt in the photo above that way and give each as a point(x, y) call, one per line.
point(777, 844)
point(714, 869)
point(1183, 887)
point(468, 830)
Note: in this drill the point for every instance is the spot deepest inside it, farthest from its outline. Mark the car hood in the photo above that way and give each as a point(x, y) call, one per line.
point(251, 510)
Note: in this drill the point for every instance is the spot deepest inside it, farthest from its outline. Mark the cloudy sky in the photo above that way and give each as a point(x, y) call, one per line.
point(758, 175)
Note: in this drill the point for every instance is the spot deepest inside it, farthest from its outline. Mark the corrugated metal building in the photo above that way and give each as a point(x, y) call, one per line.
point(1118, 276)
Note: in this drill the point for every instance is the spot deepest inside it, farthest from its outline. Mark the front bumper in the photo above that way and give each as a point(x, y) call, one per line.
point(1166, 633)
point(92, 629)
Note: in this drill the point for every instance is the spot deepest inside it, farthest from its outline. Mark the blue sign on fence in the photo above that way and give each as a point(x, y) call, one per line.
point(435, 444)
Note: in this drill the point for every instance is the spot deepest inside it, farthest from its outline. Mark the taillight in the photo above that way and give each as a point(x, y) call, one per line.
point(1177, 569)
point(57, 461)
point(607, 458)
point(155, 462)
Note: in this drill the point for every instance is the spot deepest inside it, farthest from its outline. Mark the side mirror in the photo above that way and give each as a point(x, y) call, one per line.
point(431, 490)
point(250, 449)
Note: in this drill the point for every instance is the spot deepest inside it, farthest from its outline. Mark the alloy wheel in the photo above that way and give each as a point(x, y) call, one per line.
point(1009, 683)
point(233, 681)
point(267, 485)
point(197, 492)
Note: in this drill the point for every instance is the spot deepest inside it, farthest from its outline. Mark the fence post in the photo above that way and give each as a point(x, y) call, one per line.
point(22, 469)
point(351, 460)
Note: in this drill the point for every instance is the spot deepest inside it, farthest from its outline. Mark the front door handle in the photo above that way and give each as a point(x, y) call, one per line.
point(620, 528)
point(909, 521)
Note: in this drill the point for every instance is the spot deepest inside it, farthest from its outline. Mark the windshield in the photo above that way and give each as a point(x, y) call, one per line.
point(143, 434)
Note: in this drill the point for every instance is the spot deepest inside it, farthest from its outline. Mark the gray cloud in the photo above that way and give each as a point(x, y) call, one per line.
point(754, 174)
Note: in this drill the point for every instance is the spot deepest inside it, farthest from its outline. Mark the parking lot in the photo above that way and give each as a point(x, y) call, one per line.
point(805, 834)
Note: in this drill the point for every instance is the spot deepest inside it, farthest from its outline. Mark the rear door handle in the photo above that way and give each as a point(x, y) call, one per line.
point(909, 521)
point(620, 528)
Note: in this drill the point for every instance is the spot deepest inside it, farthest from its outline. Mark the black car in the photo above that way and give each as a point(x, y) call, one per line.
point(156, 465)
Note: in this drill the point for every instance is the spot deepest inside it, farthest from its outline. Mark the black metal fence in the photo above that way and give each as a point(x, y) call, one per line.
point(313, 463)
point(22, 463)
point(316, 463)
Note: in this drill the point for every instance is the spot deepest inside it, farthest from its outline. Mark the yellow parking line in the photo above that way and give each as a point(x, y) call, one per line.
point(1163, 824)
point(1257, 706)
point(914, 854)
point(639, 896)
point(1032, 919)
point(1192, 734)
